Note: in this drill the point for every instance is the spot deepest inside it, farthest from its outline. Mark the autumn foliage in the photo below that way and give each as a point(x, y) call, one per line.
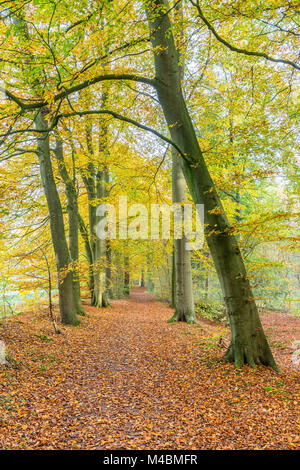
point(126, 379)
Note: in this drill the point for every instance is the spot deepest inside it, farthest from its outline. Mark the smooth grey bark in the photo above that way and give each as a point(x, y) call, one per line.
point(100, 298)
point(63, 261)
point(248, 341)
point(95, 182)
point(173, 280)
point(149, 280)
point(183, 283)
point(73, 215)
point(237, 197)
point(206, 286)
point(62, 257)
point(88, 250)
point(89, 238)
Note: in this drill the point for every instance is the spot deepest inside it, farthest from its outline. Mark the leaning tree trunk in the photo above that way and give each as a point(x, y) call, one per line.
point(73, 214)
point(63, 261)
point(248, 341)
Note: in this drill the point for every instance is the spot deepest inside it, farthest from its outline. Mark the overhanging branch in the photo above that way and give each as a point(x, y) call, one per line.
point(120, 118)
point(237, 49)
point(64, 94)
point(102, 111)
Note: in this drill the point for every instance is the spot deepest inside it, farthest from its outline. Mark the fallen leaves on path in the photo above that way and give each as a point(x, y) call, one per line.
point(126, 379)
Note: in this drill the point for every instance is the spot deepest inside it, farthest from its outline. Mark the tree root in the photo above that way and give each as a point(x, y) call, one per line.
point(240, 356)
point(180, 317)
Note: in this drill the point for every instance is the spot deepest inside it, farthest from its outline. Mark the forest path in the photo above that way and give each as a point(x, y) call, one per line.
point(126, 379)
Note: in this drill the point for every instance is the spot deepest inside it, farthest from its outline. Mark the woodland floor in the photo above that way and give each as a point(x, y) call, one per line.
point(126, 379)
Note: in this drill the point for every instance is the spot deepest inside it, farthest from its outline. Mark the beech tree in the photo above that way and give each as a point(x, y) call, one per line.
point(69, 300)
point(73, 217)
point(182, 271)
point(67, 297)
point(66, 66)
point(248, 342)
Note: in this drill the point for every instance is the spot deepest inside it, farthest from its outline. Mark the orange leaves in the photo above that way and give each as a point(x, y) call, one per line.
point(127, 379)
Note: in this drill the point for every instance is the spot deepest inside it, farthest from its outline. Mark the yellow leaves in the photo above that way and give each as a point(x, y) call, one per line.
point(216, 211)
point(49, 96)
point(158, 49)
point(223, 87)
point(209, 74)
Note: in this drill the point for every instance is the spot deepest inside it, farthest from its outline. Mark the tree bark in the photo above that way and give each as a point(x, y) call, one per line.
point(90, 238)
point(95, 182)
point(183, 285)
point(73, 214)
point(88, 250)
point(62, 256)
point(173, 280)
point(100, 298)
point(184, 298)
point(248, 341)
point(63, 261)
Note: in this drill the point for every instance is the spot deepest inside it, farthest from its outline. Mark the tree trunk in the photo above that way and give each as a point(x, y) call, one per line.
point(149, 281)
point(173, 280)
point(63, 261)
point(206, 287)
point(72, 208)
point(90, 240)
point(100, 298)
point(248, 342)
point(88, 250)
point(109, 288)
point(126, 276)
point(142, 278)
point(183, 285)
point(184, 298)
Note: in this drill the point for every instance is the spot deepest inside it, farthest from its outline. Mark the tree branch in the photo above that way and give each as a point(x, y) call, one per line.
point(121, 118)
point(60, 96)
point(103, 111)
point(237, 49)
